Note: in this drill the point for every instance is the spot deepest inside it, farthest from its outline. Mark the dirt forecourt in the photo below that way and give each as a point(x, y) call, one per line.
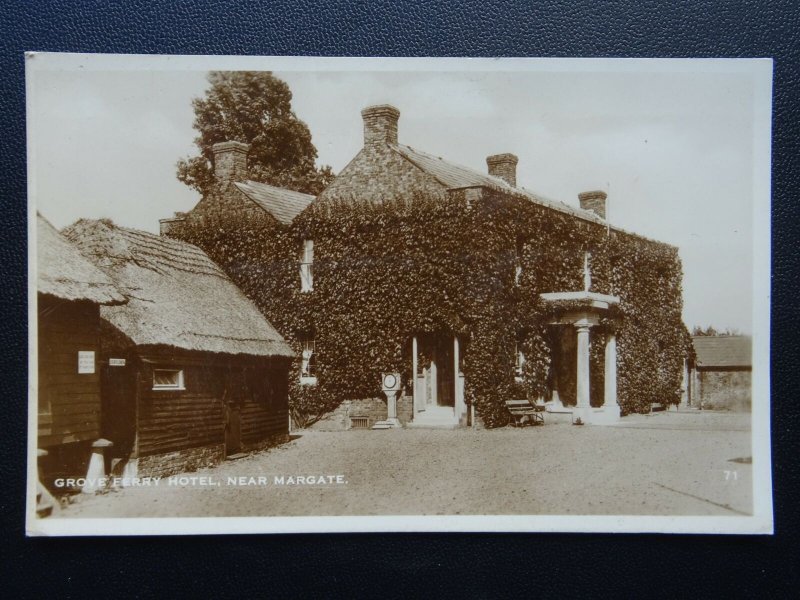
point(671, 463)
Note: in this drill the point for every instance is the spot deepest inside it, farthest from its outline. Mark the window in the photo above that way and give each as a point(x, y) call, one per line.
point(520, 250)
point(587, 271)
point(168, 379)
point(306, 264)
point(519, 363)
point(308, 366)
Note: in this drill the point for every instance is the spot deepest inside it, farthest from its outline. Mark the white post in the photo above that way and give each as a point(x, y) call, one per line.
point(459, 396)
point(582, 375)
point(97, 467)
point(611, 371)
point(414, 376)
point(610, 405)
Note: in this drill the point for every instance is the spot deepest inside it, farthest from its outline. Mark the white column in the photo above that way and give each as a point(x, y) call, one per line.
point(582, 375)
point(458, 403)
point(414, 376)
point(610, 398)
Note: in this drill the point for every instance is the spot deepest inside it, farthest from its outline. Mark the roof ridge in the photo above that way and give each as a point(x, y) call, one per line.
point(282, 204)
point(249, 182)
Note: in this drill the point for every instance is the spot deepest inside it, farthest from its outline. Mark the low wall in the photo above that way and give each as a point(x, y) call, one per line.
point(180, 461)
point(373, 408)
point(725, 390)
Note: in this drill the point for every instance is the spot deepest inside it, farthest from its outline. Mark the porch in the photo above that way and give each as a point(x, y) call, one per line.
point(438, 382)
point(575, 314)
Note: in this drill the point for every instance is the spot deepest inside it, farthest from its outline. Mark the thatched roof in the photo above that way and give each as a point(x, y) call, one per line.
point(64, 273)
point(177, 296)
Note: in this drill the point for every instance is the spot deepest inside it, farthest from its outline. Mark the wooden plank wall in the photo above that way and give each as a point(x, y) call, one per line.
point(69, 402)
point(265, 410)
point(169, 421)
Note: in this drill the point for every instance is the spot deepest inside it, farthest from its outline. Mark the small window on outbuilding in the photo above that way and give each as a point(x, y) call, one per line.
point(306, 266)
point(168, 379)
point(308, 366)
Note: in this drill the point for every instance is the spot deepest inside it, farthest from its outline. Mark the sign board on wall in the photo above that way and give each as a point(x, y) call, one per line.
point(85, 361)
point(116, 362)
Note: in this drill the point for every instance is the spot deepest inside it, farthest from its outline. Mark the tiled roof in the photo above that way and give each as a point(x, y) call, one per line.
point(176, 295)
point(723, 351)
point(281, 203)
point(454, 176)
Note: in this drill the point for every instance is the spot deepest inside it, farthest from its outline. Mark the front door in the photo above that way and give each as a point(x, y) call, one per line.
point(435, 379)
point(445, 384)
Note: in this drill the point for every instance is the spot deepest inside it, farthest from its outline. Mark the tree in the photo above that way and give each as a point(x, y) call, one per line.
point(255, 108)
point(710, 331)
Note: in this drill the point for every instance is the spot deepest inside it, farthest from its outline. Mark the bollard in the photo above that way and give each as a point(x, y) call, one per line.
point(97, 466)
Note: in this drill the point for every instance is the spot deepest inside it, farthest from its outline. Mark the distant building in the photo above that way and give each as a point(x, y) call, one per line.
point(70, 292)
point(721, 375)
point(191, 372)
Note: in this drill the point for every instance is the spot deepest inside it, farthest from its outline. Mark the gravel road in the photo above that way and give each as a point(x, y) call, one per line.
point(662, 464)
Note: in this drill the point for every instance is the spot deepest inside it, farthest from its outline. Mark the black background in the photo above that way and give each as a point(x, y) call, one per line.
point(483, 565)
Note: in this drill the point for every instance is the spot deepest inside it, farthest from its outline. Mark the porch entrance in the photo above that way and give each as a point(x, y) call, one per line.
point(438, 381)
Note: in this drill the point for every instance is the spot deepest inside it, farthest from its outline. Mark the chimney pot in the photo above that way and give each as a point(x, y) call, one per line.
point(230, 161)
point(380, 124)
point(503, 166)
point(594, 201)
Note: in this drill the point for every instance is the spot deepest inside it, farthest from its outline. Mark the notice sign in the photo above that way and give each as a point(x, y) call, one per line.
point(85, 361)
point(116, 362)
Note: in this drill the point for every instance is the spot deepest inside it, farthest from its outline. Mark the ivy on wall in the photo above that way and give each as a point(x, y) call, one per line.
point(384, 272)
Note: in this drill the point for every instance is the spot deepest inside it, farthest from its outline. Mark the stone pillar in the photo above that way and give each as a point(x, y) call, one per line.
point(391, 407)
point(610, 404)
point(582, 375)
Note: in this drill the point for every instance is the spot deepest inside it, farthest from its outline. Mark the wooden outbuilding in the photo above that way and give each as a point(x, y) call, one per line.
point(70, 292)
point(192, 372)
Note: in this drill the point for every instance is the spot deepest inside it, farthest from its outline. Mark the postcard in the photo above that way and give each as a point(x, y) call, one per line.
point(296, 294)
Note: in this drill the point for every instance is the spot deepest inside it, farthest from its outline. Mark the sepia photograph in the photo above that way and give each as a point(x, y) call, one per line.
point(285, 294)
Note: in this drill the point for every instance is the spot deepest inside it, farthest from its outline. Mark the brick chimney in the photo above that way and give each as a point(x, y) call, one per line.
point(230, 161)
point(380, 124)
point(167, 226)
point(503, 166)
point(594, 201)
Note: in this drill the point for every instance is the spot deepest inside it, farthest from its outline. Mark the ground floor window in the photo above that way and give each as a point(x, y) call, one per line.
point(519, 362)
point(308, 366)
point(168, 379)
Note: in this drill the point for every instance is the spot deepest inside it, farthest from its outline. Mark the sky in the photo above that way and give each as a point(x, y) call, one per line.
point(673, 147)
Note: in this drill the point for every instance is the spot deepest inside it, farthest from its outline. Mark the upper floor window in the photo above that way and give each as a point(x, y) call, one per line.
point(587, 271)
point(306, 266)
point(520, 249)
point(308, 365)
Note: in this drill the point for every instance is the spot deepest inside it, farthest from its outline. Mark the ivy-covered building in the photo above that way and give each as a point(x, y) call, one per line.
point(473, 289)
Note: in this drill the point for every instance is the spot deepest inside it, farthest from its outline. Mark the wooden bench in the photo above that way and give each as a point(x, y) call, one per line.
point(525, 413)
